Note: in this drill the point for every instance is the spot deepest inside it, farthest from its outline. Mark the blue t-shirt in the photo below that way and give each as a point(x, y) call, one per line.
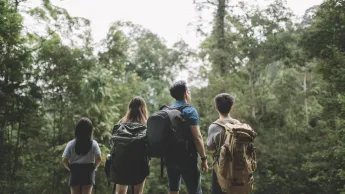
point(189, 113)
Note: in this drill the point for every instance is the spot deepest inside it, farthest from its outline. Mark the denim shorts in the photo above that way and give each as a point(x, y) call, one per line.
point(82, 174)
point(191, 177)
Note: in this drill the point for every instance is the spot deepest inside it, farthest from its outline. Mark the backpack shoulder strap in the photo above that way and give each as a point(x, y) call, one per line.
point(163, 107)
point(220, 122)
point(180, 108)
point(223, 123)
point(222, 138)
point(116, 127)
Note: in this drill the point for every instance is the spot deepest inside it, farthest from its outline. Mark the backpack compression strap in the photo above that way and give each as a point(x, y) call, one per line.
point(221, 123)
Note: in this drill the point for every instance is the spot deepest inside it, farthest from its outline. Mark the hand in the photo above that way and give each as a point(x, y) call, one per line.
point(204, 166)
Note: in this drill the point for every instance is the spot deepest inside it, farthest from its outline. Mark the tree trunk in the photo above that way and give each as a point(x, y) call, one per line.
point(305, 96)
point(220, 36)
point(60, 121)
point(16, 153)
point(5, 115)
point(54, 129)
point(251, 85)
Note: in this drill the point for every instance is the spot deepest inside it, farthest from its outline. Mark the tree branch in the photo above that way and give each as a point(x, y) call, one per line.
point(16, 3)
point(41, 42)
point(211, 3)
point(205, 2)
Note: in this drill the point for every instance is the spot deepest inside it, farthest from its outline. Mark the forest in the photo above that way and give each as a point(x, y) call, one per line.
point(287, 75)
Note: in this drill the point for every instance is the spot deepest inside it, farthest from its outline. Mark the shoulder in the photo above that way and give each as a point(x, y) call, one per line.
point(214, 127)
point(94, 143)
point(189, 113)
point(71, 143)
point(235, 121)
point(95, 147)
point(190, 110)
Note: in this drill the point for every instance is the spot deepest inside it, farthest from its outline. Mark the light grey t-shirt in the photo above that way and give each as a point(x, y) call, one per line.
point(215, 132)
point(75, 158)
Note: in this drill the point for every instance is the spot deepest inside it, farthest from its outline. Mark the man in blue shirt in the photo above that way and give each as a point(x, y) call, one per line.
point(191, 174)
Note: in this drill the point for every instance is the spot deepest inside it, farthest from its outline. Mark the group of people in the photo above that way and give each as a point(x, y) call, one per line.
point(82, 155)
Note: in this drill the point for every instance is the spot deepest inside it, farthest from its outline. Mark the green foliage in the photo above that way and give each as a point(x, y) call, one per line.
point(287, 79)
point(19, 97)
point(281, 90)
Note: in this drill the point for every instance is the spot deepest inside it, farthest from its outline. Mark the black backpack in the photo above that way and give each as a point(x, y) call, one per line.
point(169, 136)
point(127, 163)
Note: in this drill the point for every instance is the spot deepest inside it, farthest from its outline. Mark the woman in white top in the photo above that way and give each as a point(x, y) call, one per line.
point(81, 157)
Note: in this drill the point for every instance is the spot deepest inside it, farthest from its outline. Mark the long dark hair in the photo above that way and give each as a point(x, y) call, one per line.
point(83, 136)
point(137, 111)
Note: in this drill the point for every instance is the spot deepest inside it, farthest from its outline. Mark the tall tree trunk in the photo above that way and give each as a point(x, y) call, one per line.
point(54, 129)
point(220, 36)
point(252, 93)
point(4, 106)
point(16, 152)
point(305, 96)
point(61, 120)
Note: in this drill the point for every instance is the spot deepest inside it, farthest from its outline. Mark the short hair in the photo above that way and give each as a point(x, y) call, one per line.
point(224, 102)
point(178, 89)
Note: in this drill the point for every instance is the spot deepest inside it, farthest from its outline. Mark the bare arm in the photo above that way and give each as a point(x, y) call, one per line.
point(66, 163)
point(98, 160)
point(198, 141)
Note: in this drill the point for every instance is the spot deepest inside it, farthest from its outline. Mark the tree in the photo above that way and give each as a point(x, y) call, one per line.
point(19, 95)
point(324, 40)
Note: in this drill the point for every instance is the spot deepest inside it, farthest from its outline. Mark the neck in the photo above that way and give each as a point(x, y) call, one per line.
point(227, 116)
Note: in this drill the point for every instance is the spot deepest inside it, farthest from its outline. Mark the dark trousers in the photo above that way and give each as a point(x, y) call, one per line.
point(215, 186)
point(191, 177)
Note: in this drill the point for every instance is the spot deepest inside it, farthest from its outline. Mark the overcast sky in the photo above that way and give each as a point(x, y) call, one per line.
point(167, 18)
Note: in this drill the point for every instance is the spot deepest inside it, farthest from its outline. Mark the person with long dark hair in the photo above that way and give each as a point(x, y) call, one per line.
point(136, 117)
point(81, 157)
point(136, 112)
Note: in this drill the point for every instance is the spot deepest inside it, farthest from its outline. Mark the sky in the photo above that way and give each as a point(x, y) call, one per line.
point(167, 18)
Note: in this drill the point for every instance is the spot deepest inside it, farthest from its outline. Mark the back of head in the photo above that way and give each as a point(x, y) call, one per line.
point(178, 89)
point(224, 103)
point(83, 136)
point(137, 111)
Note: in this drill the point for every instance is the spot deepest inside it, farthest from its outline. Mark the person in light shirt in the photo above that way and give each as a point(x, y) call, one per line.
point(224, 103)
point(81, 157)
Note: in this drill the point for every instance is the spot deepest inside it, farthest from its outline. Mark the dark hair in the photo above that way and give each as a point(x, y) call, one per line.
point(178, 89)
point(137, 111)
point(83, 136)
point(224, 102)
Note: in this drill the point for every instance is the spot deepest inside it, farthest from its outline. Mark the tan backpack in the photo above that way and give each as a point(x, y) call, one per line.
point(235, 159)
